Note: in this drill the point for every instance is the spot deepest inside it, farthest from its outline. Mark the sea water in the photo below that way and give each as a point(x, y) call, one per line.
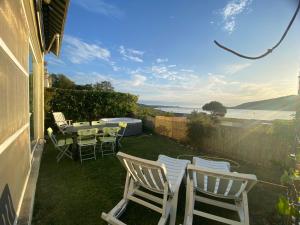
point(240, 113)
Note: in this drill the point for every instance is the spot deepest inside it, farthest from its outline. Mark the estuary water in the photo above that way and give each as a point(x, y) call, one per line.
point(240, 113)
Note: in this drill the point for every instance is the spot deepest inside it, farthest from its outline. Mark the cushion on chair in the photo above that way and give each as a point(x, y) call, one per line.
point(67, 141)
point(211, 164)
point(175, 169)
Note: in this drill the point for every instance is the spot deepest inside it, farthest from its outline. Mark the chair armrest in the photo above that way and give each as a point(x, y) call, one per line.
point(69, 122)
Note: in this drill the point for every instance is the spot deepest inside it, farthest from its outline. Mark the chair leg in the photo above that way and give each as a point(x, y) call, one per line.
point(243, 210)
point(174, 208)
point(80, 155)
point(101, 146)
point(95, 152)
point(113, 147)
point(62, 153)
point(189, 204)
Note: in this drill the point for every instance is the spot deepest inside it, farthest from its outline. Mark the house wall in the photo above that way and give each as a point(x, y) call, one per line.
point(18, 34)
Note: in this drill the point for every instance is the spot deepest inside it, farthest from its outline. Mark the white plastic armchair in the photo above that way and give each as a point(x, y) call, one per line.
point(220, 185)
point(163, 177)
point(61, 121)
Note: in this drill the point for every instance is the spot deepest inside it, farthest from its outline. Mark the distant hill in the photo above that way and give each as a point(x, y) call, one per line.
point(286, 103)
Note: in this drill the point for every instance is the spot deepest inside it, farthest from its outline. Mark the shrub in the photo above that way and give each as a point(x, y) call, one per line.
point(200, 126)
point(83, 105)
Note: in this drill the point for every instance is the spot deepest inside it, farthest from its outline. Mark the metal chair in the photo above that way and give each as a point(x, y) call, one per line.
point(108, 137)
point(62, 145)
point(87, 141)
point(123, 126)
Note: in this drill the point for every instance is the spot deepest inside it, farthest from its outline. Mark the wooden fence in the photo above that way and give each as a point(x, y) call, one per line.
point(256, 144)
point(173, 127)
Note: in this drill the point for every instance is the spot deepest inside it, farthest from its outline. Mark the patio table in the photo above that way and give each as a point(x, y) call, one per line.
point(73, 131)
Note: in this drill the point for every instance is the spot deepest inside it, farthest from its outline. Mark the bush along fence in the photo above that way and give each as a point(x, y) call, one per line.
point(82, 105)
point(252, 141)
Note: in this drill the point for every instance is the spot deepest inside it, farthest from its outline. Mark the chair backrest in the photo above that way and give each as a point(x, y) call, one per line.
point(81, 124)
point(7, 210)
point(98, 122)
point(60, 119)
point(220, 184)
point(146, 173)
point(110, 131)
point(87, 134)
point(52, 136)
point(123, 126)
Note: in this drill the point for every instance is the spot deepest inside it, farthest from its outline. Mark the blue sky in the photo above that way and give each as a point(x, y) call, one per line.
point(163, 51)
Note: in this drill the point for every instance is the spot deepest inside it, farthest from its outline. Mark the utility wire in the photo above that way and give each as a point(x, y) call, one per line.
point(269, 50)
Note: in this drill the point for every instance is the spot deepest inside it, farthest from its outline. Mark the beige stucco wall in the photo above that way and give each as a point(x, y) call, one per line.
point(18, 34)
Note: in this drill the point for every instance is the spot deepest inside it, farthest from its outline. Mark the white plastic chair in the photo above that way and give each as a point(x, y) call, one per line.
point(163, 177)
point(62, 145)
point(220, 184)
point(61, 121)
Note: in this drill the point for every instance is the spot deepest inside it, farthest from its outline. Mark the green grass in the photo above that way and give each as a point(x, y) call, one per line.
point(69, 193)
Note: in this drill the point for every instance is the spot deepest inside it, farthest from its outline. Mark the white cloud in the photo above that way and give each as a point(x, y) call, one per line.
point(187, 70)
point(90, 78)
point(138, 80)
point(100, 7)
point(52, 60)
point(231, 11)
point(131, 54)
point(79, 51)
point(189, 88)
point(160, 60)
point(164, 72)
point(235, 68)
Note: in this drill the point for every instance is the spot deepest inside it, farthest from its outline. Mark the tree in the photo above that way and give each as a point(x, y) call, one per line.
point(215, 108)
point(103, 86)
point(200, 126)
point(87, 87)
point(61, 81)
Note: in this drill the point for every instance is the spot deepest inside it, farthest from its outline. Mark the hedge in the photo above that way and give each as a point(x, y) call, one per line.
point(87, 105)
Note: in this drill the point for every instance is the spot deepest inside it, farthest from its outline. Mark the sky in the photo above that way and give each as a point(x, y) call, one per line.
point(163, 51)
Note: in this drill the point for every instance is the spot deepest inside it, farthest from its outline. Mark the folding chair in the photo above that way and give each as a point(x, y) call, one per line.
point(87, 141)
point(221, 185)
point(123, 126)
point(61, 121)
point(161, 177)
point(62, 145)
point(108, 137)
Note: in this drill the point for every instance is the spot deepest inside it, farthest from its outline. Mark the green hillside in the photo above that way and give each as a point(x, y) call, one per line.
point(286, 103)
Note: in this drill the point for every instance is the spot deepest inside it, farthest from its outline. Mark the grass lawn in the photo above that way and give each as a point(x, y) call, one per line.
point(69, 193)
